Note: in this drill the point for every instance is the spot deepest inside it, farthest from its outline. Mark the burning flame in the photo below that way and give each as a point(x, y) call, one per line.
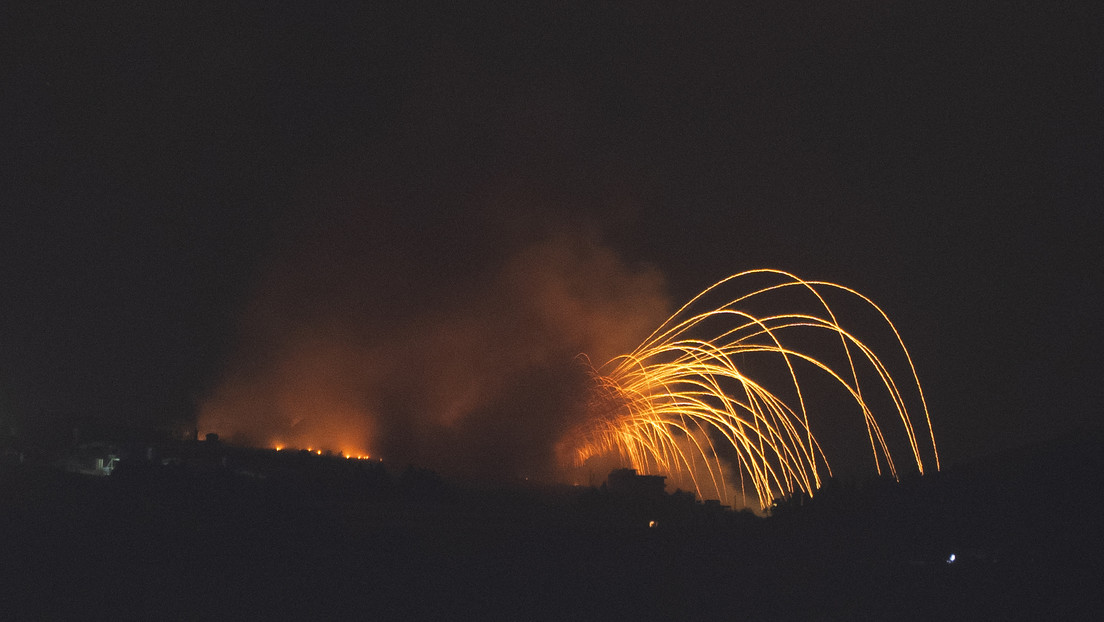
point(345, 453)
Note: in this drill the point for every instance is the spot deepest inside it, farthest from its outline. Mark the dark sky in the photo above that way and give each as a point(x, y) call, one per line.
point(183, 187)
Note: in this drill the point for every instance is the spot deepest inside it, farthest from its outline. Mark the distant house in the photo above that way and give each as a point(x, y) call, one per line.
point(627, 483)
point(91, 459)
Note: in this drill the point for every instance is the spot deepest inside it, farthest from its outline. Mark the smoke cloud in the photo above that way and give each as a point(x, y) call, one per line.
point(452, 347)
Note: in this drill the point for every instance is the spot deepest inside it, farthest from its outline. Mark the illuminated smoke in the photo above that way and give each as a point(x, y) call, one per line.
point(472, 371)
point(471, 358)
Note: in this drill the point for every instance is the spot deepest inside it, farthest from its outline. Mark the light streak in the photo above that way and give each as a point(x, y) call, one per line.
point(686, 402)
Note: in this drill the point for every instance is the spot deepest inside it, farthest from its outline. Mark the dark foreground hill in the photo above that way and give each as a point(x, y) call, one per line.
point(1014, 537)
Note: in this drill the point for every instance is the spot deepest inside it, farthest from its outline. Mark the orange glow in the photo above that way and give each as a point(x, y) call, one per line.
point(682, 405)
point(326, 371)
point(351, 455)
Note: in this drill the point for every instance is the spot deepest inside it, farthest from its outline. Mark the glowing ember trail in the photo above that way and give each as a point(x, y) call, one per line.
point(685, 404)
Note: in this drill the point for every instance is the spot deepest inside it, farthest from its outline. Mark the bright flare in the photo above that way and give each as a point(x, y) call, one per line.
point(683, 403)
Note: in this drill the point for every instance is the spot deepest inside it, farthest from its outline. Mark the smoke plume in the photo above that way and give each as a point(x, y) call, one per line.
point(451, 347)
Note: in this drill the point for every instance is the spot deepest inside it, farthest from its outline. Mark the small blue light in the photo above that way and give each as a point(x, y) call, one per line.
point(951, 559)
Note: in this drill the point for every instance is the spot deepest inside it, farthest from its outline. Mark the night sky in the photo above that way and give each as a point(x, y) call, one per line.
point(420, 211)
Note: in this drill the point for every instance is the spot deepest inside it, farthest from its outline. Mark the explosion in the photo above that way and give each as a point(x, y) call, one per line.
point(471, 369)
point(719, 390)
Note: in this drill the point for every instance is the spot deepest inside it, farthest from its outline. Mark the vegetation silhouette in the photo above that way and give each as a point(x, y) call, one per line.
point(207, 530)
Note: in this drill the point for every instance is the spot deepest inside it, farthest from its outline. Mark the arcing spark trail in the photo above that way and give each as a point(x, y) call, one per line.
point(684, 403)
